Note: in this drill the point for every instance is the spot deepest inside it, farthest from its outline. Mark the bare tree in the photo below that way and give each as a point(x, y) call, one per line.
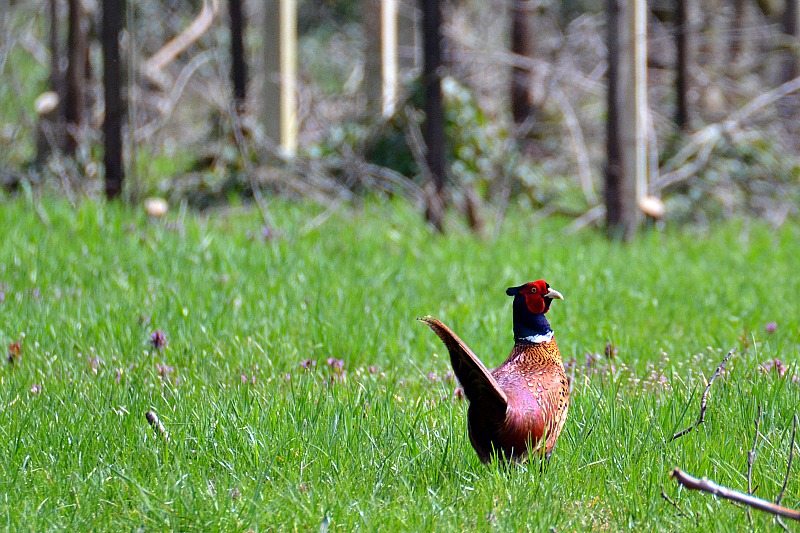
point(737, 42)
point(521, 45)
point(113, 17)
point(624, 130)
point(238, 60)
point(791, 29)
point(76, 74)
point(433, 130)
point(682, 31)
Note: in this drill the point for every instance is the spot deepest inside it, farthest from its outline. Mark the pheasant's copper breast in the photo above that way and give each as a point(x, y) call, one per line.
point(537, 388)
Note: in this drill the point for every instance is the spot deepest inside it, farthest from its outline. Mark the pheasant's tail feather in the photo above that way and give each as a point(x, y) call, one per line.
point(479, 385)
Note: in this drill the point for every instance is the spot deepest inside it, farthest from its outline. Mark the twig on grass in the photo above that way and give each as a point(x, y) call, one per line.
point(788, 469)
point(706, 485)
point(751, 458)
point(704, 398)
point(671, 502)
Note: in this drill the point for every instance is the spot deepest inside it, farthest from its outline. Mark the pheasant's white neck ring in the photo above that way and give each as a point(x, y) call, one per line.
point(538, 339)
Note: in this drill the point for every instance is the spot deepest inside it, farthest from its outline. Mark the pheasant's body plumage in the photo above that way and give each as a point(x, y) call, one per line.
point(521, 406)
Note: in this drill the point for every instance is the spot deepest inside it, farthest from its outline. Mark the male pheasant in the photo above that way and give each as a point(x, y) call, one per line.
point(525, 400)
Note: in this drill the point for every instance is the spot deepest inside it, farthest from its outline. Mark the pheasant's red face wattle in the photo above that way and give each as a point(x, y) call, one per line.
point(534, 300)
point(538, 295)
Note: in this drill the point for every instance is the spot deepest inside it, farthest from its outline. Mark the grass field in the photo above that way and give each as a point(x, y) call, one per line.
point(370, 435)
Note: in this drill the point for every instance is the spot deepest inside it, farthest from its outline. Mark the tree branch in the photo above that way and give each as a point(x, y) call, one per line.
point(706, 485)
point(182, 41)
point(702, 143)
point(704, 398)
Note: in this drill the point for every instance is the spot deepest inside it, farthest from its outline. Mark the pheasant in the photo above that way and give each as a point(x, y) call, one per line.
point(524, 401)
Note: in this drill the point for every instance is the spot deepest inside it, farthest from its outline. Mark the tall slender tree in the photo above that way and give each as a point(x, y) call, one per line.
point(238, 59)
point(113, 17)
point(522, 47)
point(682, 54)
point(791, 30)
point(75, 96)
point(433, 128)
point(622, 210)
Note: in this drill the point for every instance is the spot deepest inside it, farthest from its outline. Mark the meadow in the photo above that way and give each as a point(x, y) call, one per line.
point(298, 393)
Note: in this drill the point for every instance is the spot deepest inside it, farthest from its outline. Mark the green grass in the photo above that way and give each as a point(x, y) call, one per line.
point(386, 450)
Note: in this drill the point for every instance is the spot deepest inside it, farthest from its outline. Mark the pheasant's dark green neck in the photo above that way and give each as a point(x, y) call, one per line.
point(529, 327)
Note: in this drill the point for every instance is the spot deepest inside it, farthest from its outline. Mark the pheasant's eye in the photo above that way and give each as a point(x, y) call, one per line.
point(533, 290)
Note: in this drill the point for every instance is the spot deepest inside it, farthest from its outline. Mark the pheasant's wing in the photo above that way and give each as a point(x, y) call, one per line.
point(479, 385)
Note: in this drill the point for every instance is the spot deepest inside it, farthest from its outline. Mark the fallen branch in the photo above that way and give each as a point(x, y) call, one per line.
point(704, 398)
point(751, 458)
point(706, 485)
point(670, 501)
point(578, 145)
point(702, 143)
point(181, 42)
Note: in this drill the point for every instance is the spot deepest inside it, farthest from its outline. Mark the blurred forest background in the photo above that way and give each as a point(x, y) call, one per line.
point(526, 118)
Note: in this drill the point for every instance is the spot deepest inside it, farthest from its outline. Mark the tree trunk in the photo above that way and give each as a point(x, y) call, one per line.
point(682, 64)
point(520, 77)
point(279, 102)
point(380, 18)
point(50, 128)
point(624, 123)
point(76, 75)
point(737, 42)
point(238, 62)
point(789, 107)
point(433, 128)
point(791, 22)
point(113, 81)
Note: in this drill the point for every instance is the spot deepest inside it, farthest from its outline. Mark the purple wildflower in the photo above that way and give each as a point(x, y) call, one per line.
point(432, 376)
point(372, 369)
point(771, 327)
point(336, 364)
point(158, 339)
point(2, 297)
point(308, 364)
point(94, 362)
point(164, 370)
point(287, 377)
point(119, 375)
point(775, 363)
point(235, 493)
point(36, 388)
point(592, 358)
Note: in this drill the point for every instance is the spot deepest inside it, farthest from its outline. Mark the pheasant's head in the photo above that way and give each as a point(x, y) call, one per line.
point(537, 296)
point(531, 301)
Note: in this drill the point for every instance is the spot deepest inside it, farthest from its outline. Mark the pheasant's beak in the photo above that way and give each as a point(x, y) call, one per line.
point(554, 294)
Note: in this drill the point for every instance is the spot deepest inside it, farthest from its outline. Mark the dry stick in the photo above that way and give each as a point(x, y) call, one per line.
point(703, 141)
point(579, 145)
point(788, 469)
point(704, 398)
point(148, 130)
point(706, 485)
point(182, 41)
point(751, 458)
point(675, 505)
